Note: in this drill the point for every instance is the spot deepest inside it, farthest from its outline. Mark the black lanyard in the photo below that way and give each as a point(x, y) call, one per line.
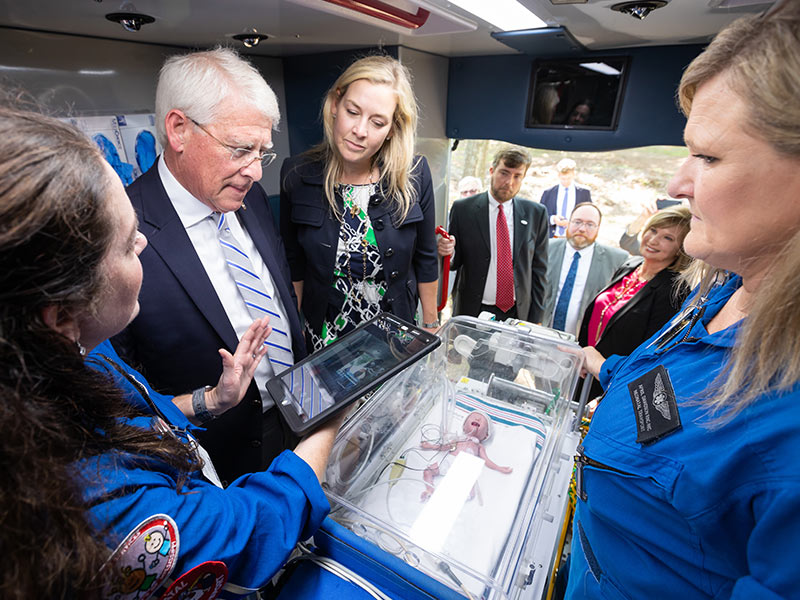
point(687, 320)
point(170, 427)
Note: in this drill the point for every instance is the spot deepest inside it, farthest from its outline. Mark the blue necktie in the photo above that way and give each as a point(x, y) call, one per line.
point(254, 294)
point(563, 211)
point(560, 316)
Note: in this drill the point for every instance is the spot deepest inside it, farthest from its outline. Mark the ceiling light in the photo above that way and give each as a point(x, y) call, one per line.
point(506, 15)
point(601, 67)
point(100, 72)
point(735, 3)
point(250, 37)
point(130, 21)
point(639, 10)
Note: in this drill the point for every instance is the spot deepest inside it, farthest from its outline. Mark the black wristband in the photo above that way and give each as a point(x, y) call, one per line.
point(201, 412)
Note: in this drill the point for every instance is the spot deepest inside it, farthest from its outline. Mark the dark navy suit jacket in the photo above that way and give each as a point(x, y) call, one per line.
point(550, 201)
point(182, 323)
point(469, 223)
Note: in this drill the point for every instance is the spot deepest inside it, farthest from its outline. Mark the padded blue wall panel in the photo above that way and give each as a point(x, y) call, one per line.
point(488, 97)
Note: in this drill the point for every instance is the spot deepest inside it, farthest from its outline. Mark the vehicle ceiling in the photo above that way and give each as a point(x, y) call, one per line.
point(311, 26)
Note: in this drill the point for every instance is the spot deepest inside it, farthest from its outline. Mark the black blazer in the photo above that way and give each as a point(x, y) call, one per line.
point(311, 234)
point(639, 318)
point(550, 201)
point(469, 223)
point(182, 323)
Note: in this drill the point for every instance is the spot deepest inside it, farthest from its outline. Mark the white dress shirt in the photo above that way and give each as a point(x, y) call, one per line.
point(197, 219)
point(573, 310)
point(570, 206)
point(490, 289)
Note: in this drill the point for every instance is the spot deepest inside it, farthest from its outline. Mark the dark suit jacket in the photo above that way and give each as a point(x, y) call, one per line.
point(550, 201)
point(182, 323)
point(311, 234)
point(639, 319)
point(469, 223)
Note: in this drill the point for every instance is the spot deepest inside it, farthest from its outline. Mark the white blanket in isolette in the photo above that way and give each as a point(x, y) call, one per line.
point(470, 531)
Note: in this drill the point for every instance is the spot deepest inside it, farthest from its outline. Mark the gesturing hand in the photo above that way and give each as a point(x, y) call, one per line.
point(238, 368)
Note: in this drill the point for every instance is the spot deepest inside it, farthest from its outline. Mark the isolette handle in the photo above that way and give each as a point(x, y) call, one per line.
point(446, 270)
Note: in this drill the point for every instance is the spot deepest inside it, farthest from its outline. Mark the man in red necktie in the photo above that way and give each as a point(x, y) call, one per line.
point(501, 259)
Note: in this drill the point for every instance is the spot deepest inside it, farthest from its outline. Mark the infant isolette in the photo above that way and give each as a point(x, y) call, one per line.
point(415, 508)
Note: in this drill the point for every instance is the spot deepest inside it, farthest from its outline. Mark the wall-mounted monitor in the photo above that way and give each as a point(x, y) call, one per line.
point(583, 93)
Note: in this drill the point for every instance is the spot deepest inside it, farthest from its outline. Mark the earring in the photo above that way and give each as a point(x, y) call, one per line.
point(81, 349)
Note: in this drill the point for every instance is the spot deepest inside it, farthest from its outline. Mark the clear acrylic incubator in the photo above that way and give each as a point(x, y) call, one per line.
point(458, 467)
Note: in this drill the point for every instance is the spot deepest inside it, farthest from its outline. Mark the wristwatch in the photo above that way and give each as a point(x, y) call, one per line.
point(432, 325)
point(201, 412)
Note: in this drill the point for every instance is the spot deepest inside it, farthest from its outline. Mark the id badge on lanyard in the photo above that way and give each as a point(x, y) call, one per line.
point(209, 472)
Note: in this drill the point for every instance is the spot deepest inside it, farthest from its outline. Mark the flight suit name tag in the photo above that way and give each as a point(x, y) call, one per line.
point(654, 406)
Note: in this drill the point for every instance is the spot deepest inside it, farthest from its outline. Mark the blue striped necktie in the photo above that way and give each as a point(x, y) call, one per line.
point(562, 306)
point(259, 303)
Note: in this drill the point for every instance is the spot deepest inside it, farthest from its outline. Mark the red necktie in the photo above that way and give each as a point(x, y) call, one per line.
point(505, 268)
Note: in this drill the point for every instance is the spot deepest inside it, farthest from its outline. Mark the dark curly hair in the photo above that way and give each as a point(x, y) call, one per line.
point(55, 230)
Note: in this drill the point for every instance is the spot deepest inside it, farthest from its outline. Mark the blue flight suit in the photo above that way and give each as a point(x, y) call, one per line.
point(251, 526)
point(703, 512)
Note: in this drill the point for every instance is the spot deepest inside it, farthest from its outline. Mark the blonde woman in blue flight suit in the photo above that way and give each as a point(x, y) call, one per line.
point(688, 483)
point(93, 457)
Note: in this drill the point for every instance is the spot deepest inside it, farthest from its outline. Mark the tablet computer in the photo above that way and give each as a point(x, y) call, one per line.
point(321, 385)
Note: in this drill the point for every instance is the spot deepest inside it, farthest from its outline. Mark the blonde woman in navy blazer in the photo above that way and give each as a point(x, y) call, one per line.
point(357, 211)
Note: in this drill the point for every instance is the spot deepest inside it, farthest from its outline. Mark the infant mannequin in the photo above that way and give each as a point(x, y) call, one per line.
point(476, 430)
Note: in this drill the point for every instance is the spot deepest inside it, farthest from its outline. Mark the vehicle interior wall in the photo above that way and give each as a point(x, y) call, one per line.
point(479, 97)
point(488, 99)
point(70, 75)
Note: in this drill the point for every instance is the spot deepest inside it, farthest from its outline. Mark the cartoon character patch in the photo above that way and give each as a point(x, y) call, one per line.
point(204, 582)
point(143, 561)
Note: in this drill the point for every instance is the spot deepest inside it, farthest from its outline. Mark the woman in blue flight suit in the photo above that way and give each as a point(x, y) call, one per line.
point(686, 479)
point(357, 211)
point(93, 457)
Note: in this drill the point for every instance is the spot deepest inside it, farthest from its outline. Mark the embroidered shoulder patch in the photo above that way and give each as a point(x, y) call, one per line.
point(203, 582)
point(143, 561)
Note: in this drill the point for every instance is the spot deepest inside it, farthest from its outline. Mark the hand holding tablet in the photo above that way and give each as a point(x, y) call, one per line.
point(321, 385)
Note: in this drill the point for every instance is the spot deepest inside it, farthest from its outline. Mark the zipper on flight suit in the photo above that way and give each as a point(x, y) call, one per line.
point(582, 460)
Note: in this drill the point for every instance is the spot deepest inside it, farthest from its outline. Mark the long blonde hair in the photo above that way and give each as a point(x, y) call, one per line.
point(673, 216)
point(760, 57)
point(395, 157)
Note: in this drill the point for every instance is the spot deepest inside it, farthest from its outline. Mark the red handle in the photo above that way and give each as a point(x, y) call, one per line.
point(446, 271)
point(386, 12)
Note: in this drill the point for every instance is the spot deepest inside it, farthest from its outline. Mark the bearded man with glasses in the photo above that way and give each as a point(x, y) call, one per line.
point(565, 298)
point(200, 208)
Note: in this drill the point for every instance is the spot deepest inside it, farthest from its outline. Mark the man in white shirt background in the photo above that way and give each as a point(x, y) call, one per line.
point(592, 266)
point(560, 199)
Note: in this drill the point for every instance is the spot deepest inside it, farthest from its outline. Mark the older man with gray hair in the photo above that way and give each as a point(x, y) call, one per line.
point(209, 227)
point(561, 199)
point(469, 186)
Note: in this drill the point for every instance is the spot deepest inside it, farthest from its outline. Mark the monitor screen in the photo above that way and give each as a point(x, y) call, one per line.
point(577, 93)
point(352, 365)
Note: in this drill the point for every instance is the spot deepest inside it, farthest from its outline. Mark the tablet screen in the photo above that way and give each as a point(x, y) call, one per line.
point(351, 364)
